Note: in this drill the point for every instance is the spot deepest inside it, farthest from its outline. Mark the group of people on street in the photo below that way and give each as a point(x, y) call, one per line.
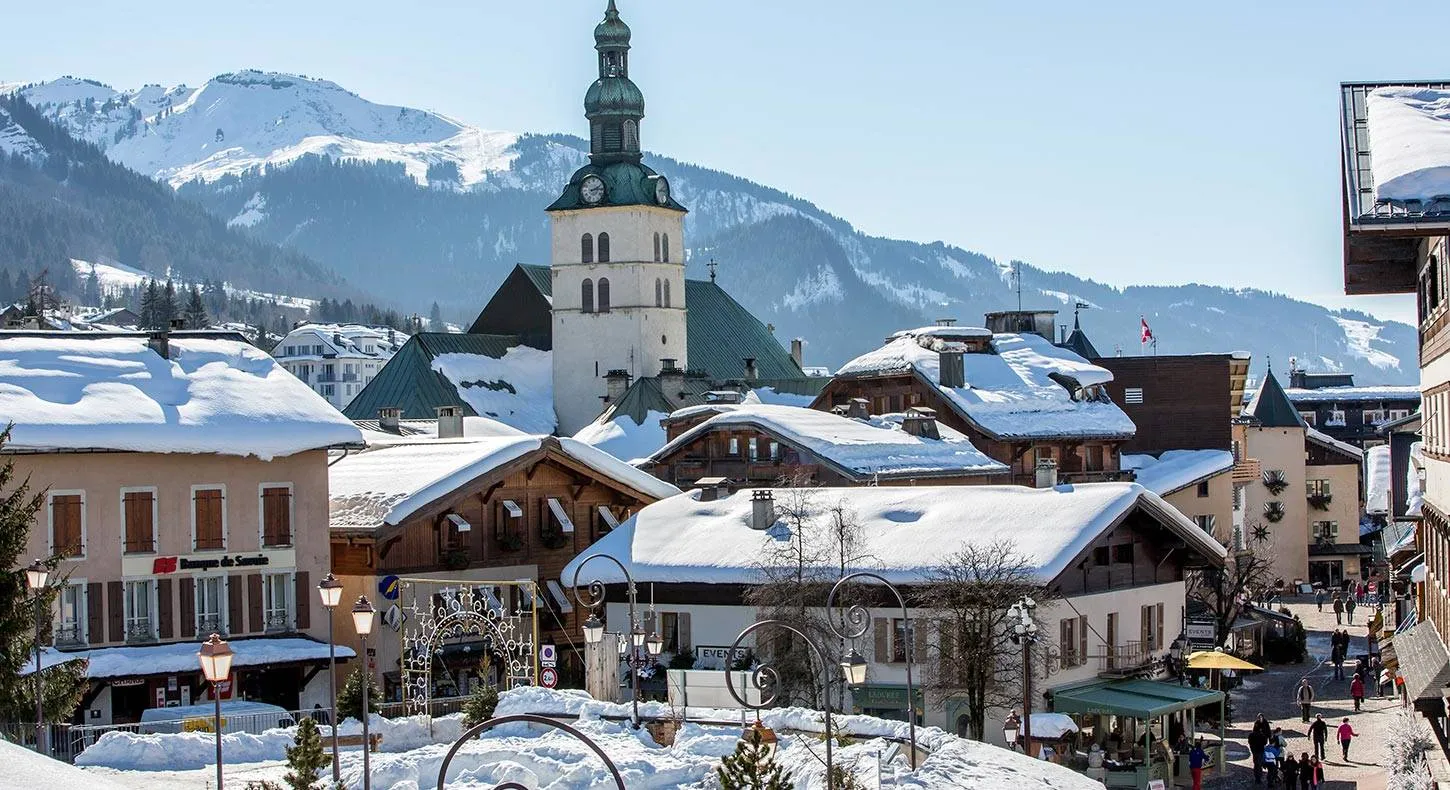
point(1274, 760)
point(1338, 651)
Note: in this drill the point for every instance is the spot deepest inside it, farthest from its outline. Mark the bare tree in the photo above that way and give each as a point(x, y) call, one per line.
point(1248, 570)
point(974, 657)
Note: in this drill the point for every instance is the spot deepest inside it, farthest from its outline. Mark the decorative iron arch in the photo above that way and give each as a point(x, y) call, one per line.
point(529, 718)
point(461, 614)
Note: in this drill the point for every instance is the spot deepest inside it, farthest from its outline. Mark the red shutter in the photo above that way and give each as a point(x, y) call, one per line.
point(165, 609)
point(188, 607)
point(304, 600)
point(116, 610)
point(254, 602)
point(95, 613)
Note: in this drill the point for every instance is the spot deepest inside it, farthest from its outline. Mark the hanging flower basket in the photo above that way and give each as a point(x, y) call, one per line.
point(1274, 511)
point(553, 537)
point(510, 541)
point(1275, 482)
point(1320, 501)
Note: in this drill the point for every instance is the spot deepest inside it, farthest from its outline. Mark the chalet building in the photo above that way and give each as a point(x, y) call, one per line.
point(1305, 504)
point(1332, 403)
point(762, 445)
point(185, 493)
point(1397, 240)
point(1016, 397)
point(1115, 554)
point(1200, 483)
point(483, 512)
point(337, 360)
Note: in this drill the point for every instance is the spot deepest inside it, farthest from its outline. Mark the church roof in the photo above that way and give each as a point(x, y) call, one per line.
point(625, 184)
point(1271, 407)
point(410, 383)
point(722, 333)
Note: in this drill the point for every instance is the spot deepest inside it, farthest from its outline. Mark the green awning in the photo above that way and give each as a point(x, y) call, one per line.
point(1140, 699)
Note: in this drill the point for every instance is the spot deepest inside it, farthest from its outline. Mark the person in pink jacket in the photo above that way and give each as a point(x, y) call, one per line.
point(1346, 734)
point(1356, 690)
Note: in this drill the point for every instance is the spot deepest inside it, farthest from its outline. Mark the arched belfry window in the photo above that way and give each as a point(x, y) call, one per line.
point(659, 294)
point(657, 246)
point(631, 136)
point(665, 247)
point(586, 296)
point(603, 294)
point(604, 248)
point(586, 249)
point(667, 293)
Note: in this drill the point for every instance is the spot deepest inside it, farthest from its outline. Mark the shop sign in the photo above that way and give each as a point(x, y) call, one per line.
point(718, 656)
point(388, 587)
point(881, 697)
point(128, 682)
point(162, 565)
point(1201, 632)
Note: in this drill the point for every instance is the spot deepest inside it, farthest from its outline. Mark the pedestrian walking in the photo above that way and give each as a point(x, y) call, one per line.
point(1337, 604)
point(1319, 598)
point(1304, 771)
point(1356, 690)
point(1271, 763)
point(1346, 734)
point(1197, 759)
point(1291, 772)
point(1258, 739)
point(1319, 733)
point(1315, 774)
point(1305, 695)
point(1349, 611)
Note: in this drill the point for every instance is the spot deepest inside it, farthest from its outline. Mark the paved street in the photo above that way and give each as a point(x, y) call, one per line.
point(1272, 693)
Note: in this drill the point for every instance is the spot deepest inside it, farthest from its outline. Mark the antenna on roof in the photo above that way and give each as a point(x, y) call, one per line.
point(1017, 275)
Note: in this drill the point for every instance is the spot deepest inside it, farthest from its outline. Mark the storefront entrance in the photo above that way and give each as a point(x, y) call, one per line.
point(884, 701)
point(1329, 573)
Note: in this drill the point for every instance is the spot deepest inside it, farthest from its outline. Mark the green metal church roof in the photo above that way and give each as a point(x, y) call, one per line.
point(625, 184)
point(722, 333)
point(409, 382)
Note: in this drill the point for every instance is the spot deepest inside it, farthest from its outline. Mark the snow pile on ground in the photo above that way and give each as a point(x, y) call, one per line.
point(1176, 469)
point(517, 389)
point(1409, 137)
point(27, 769)
point(624, 438)
point(1377, 479)
point(212, 396)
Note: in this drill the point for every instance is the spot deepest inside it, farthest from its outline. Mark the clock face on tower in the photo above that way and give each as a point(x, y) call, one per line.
point(592, 190)
point(662, 191)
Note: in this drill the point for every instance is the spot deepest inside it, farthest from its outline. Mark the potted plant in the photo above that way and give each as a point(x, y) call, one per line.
point(1320, 501)
point(1274, 511)
point(455, 559)
point(553, 537)
point(510, 541)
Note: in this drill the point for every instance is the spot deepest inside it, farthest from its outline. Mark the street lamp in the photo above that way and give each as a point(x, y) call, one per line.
point(36, 576)
point(1010, 728)
point(853, 624)
point(641, 650)
point(330, 590)
point(1022, 616)
point(362, 620)
point(216, 666)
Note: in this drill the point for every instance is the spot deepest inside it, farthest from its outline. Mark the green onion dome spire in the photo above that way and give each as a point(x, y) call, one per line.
point(614, 105)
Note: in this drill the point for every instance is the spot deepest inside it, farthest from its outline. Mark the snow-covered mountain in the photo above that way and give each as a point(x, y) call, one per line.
point(418, 207)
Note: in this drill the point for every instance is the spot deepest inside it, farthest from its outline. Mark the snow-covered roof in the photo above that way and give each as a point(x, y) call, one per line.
point(412, 430)
point(1315, 435)
point(1409, 136)
point(1177, 469)
point(858, 448)
point(517, 389)
point(214, 395)
point(624, 438)
point(906, 532)
point(1009, 392)
point(342, 340)
point(387, 483)
point(133, 661)
point(1386, 392)
point(1377, 479)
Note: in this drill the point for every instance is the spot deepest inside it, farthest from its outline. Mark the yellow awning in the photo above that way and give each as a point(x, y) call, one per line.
point(1213, 659)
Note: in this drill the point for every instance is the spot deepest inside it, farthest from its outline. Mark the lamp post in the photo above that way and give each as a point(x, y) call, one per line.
point(1024, 632)
point(36, 576)
point(362, 619)
point(1010, 729)
point(766, 675)
point(854, 622)
point(643, 649)
point(330, 590)
point(216, 666)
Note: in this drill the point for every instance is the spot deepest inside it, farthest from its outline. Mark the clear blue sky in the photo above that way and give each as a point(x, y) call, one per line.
point(1127, 142)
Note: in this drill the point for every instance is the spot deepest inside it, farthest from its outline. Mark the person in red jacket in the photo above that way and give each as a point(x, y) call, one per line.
point(1356, 690)
point(1346, 734)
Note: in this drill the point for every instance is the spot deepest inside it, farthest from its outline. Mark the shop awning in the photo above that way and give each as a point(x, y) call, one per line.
point(1424, 664)
point(1140, 699)
point(179, 657)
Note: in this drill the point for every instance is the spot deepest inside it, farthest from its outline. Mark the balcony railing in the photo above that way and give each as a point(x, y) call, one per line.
point(1127, 657)
point(69, 635)
point(278, 622)
point(209, 624)
point(140, 630)
point(1247, 470)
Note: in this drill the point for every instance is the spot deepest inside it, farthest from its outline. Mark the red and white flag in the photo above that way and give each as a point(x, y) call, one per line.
point(1147, 333)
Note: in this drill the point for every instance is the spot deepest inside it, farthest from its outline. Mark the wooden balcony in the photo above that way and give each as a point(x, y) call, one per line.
point(1247, 470)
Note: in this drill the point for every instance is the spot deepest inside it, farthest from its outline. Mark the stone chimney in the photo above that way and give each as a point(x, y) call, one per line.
point(762, 509)
point(921, 421)
point(388, 418)
point(616, 383)
point(797, 352)
point(672, 381)
point(951, 372)
point(450, 422)
point(750, 372)
point(1046, 473)
point(159, 340)
point(858, 409)
point(713, 488)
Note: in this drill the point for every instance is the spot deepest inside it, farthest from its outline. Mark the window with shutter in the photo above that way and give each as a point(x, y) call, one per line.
point(139, 513)
point(302, 594)
point(96, 613)
point(67, 526)
point(139, 602)
point(1067, 641)
point(277, 516)
point(882, 640)
point(164, 609)
point(211, 605)
point(208, 525)
point(1082, 640)
point(70, 621)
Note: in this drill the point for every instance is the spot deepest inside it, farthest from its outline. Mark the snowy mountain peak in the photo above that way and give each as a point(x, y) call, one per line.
point(249, 119)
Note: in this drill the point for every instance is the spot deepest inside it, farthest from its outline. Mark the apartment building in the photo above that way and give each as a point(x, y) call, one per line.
point(337, 360)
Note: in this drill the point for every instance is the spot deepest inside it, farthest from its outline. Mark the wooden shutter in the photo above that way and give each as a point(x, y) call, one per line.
point(116, 610)
point(254, 603)
point(276, 517)
point(65, 519)
point(918, 641)
point(683, 620)
point(303, 599)
point(1158, 632)
point(208, 503)
point(233, 592)
point(188, 607)
point(140, 529)
point(165, 608)
point(946, 651)
point(1145, 627)
point(883, 639)
point(1082, 640)
point(95, 613)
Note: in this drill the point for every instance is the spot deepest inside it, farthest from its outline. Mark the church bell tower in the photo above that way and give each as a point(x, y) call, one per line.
point(618, 249)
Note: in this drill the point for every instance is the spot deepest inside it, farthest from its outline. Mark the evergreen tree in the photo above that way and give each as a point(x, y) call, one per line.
point(7, 289)
point(349, 697)
point(166, 308)
point(481, 703)
point(64, 684)
point(92, 293)
point(435, 319)
point(306, 757)
point(751, 767)
point(150, 294)
point(195, 309)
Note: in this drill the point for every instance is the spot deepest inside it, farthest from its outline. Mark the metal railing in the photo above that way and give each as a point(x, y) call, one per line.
point(436, 707)
point(1126, 657)
point(68, 740)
